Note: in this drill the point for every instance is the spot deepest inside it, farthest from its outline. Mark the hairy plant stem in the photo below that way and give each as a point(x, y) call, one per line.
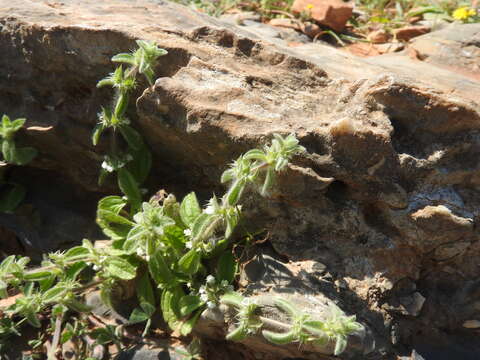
point(56, 338)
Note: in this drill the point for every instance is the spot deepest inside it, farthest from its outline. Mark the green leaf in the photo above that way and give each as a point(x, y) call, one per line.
point(255, 154)
point(112, 203)
point(135, 235)
point(170, 306)
point(228, 175)
point(138, 316)
point(74, 270)
point(235, 191)
point(226, 267)
point(3, 289)
point(145, 294)
point(104, 335)
point(9, 150)
point(141, 164)
point(190, 209)
point(37, 275)
point(97, 131)
point(121, 268)
point(160, 271)
point(204, 226)
point(188, 304)
point(11, 198)
point(132, 137)
point(76, 252)
point(32, 319)
point(111, 217)
point(124, 58)
point(129, 187)
point(279, 338)
point(54, 294)
point(340, 344)
point(17, 124)
point(78, 306)
point(121, 105)
point(190, 262)
point(188, 325)
point(232, 299)
point(268, 182)
point(24, 155)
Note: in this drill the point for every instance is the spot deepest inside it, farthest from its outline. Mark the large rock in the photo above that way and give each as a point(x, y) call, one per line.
point(387, 194)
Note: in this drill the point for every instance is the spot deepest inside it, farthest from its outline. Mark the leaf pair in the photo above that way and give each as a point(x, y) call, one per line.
point(143, 60)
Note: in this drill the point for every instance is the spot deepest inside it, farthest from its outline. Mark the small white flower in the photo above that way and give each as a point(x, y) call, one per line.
point(202, 290)
point(188, 244)
point(140, 252)
point(96, 268)
point(189, 284)
point(210, 280)
point(204, 297)
point(209, 210)
point(187, 232)
point(106, 166)
point(224, 283)
point(147, 257)
point(210, 304)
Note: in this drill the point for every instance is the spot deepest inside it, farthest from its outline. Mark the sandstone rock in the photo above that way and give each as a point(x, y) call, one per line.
point(455, 47)
point(390, 142)
point(409, 32)
point(286, 23)
point(378, 36)
point(332, 13)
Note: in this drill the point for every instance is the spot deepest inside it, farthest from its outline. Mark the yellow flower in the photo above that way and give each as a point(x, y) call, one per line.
point(309, 6)
point(463, 13)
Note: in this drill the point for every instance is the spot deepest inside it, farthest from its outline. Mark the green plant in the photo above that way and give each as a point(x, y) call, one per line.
point(132, 164)
point(302, 328)
point(12, 193)
point(169, 248)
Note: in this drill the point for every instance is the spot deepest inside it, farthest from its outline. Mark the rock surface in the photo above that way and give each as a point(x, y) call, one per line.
point(331, 13)
point(386, 199)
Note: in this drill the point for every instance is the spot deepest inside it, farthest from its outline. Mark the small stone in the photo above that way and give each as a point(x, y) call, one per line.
point(378, 36)
point(471, 324)
point(409, 32)
point(412, 304)
point(331, 13)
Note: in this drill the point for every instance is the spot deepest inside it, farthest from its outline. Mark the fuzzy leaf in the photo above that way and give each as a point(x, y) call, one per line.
point(129, 187)
point(138, 316)
point(340, 344)
point(235, 192)
point(169, 305)
point(279, 338)
point(145, 294)
point(121, 268)
point(132, 137)
point(190, 209)
point(54, 294)
point(159, 270)
point(124, 58)
point(190, 262)
point(226, 267)
point(188, 304)
point(97, 131)
point(188, 325)
point(141, 164)
point(37, 275)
